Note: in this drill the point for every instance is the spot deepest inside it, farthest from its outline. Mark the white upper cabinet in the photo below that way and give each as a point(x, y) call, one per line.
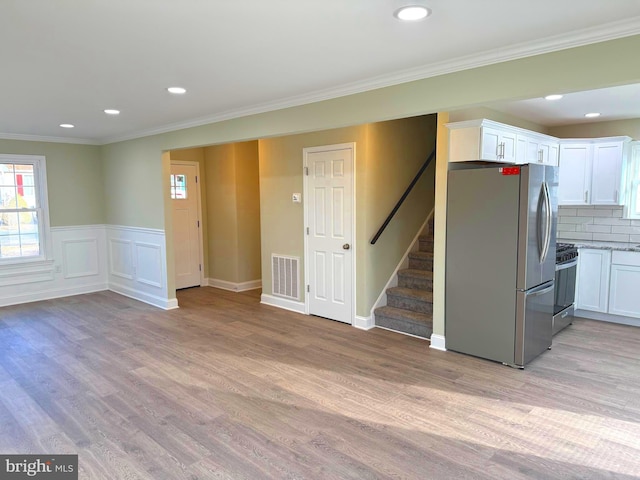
point(491, 141)
point(575, 174)
point(592, 171)
point(606, 183)
point(538, 149)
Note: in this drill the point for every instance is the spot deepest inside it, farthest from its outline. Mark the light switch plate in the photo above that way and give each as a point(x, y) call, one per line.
point(296, 198)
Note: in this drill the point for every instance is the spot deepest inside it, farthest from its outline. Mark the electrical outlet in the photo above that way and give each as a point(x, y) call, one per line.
point(296, 198)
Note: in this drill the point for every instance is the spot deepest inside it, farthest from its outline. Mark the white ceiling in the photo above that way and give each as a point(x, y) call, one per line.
point(64, 61)
point(616, 103)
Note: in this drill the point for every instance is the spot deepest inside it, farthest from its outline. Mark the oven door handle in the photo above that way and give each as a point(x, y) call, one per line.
point(564, 266)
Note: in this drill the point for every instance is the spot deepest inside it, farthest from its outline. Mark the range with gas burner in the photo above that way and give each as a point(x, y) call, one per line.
point(565, 285)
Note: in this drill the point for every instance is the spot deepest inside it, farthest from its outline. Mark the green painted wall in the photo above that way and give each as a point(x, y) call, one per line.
point(74, 180)
point(137, 199)
point(613, 128)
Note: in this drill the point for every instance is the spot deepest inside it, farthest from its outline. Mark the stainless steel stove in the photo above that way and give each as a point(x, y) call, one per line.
point(565, 285)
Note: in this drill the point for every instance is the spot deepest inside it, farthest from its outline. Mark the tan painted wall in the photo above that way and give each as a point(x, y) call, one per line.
point(280, 176)
point(233, 206)
point(395, 151)
point(388, 155)
point(74, 180)
point(614, 128)
point(248, 211)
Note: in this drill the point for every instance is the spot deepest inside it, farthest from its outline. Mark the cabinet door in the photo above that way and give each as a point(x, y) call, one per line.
point(509, 143)
point(607, 173)
point(575, 174)
point(593, 280)
point(554, 149)
point(490, 144)
point(623, 294)
point(521, 150)
point(498, 145)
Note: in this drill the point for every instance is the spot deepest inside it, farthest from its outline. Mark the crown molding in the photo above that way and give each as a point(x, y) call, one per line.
point(600, 33)
point(42, 138)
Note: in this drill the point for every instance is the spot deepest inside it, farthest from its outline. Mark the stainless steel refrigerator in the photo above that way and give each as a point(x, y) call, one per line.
point(500, 261)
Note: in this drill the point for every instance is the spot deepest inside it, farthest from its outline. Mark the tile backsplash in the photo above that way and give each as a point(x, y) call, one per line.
point(600, 223)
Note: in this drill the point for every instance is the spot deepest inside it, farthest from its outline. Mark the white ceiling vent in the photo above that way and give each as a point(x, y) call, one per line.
point(285, 276)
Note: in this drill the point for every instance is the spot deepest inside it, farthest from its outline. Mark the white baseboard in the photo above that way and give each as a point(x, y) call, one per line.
point(363, 323)
point(607, 317)
point(164, 303)
point(438, 342)
point(172, 304)
point(51, 294)
point(284, 303)
point(233, 287)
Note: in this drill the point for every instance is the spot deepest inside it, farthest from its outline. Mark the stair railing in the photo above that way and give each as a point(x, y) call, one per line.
point(403, 197)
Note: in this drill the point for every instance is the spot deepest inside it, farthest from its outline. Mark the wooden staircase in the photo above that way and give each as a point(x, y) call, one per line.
point(409, 306)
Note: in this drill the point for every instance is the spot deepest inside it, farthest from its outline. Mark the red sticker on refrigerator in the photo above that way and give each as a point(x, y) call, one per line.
point(510, 170)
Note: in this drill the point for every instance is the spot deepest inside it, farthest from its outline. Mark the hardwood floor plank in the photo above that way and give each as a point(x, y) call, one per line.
point(225, 387)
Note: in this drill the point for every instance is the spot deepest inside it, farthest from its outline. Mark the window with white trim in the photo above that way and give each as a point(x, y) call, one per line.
point(24, 213)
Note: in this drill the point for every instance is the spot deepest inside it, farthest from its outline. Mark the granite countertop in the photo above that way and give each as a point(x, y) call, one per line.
point(622, 246)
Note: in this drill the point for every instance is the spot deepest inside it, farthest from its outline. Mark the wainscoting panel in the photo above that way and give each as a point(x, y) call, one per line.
point(78, 266)
point(80, 257)
point(121, 258)
point(137, 266)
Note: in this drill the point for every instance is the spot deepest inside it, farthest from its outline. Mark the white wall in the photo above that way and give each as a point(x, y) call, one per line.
point(91, 258)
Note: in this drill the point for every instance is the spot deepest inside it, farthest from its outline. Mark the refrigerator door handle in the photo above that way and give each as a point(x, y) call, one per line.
point(548, 219)
point(543, 291)
point(539, 235)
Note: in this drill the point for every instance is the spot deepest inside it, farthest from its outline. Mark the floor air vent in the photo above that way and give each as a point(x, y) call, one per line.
point(285, 276)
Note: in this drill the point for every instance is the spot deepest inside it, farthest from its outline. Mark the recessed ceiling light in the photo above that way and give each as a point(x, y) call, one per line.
point(67, 125)
point(112, 111)
point(412, 13)
point(592, 115)
point(555, 96)
point(177, 90)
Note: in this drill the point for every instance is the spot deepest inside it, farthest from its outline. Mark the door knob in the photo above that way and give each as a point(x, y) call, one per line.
point(346, 246)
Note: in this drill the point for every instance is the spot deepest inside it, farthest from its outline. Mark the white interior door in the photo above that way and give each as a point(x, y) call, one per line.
point(186, 224)
point(330, 254)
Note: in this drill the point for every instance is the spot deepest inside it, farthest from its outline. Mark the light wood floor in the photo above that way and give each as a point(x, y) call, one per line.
point(227, 388)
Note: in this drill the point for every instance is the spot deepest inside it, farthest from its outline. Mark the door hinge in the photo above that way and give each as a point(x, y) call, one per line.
point(306, 170)
point(200, 267)
point(196, 179)
point(308, 288)
point(198, 223)
point(307, 230)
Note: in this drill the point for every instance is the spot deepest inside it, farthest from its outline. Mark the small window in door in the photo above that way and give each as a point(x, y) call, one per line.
point(178, 187)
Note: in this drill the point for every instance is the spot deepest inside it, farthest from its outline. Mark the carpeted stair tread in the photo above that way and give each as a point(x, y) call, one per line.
point(398, 319)
point(421, 255)
point(415, 278)
point(402, 314)
point(412, 293)
point(414, 272)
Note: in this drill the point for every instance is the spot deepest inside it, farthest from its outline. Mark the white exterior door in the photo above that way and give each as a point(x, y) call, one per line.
point(329, 213)
point(185, 194)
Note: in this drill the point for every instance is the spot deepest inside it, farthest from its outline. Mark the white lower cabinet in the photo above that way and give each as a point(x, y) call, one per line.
point(609, 282)
point(624, 292)
point(593, 280)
